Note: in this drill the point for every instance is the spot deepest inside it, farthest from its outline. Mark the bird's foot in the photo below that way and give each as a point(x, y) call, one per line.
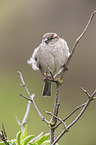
point(45, 77)
point(58, 80)
point(65, 67)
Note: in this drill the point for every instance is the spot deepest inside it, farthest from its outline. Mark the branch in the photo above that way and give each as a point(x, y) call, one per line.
point(77, 108)
point(23, 83)
point(61, 77)
point(57, 118)
point(36, 137)
point(88, 95)
point(56, 103)
point(55, 112)
point(3, 136)
point(24, 121)
point(75, 44)
point(26, 113)
point(90, 98)
point(31, 98)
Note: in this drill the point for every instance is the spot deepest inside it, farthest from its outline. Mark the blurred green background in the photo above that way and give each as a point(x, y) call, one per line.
point(22, 24)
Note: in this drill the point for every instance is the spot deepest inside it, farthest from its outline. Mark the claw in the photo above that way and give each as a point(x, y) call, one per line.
point(65, 67)
point(58, 80)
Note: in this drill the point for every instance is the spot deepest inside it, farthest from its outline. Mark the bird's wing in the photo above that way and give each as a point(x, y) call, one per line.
point(33, 60)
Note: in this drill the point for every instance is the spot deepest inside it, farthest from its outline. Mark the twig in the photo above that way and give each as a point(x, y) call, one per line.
point(23, 83)
point(65, 69)
point(4, 131)
point(25, 97)
point(84, 108)
point(66, 66)
point(37, 137)
point(90, 98)
point(55, 112)
point(77, 108)
point(26, 113)
point(31, 98)
point(24, 121)
point(18, 121)
point(56, 103)
point(85, 92)
point(57, 95)
point(75, 44)
point(81, 35)
point(57, 118)
point(3, 136)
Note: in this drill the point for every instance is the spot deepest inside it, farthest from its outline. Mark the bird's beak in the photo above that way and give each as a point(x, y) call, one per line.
point(46, 40)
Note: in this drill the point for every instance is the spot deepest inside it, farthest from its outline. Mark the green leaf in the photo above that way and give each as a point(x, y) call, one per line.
point(12, 142)
point(18, 137)
point(42, 138)
point(2, 143)
point(32, 143)
point(27, 139)
point(47, 142)
point(25, 132)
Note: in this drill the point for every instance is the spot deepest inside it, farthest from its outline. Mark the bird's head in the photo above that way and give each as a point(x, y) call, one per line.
point(50, 38)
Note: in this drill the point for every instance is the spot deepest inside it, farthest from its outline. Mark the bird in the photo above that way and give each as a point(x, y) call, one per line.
point(49, 56)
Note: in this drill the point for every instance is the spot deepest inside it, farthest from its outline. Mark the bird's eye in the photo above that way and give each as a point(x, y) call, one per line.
point(52, 38)
point(36, 58)
point(48, 39)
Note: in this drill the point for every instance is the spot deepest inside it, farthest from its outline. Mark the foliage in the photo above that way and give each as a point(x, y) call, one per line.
point(24, 139)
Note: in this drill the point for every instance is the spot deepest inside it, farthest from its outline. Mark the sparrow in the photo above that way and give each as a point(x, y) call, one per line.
point(50, 55)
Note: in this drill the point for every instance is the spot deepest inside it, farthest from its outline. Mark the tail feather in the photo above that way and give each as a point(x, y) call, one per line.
point(47, 88)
